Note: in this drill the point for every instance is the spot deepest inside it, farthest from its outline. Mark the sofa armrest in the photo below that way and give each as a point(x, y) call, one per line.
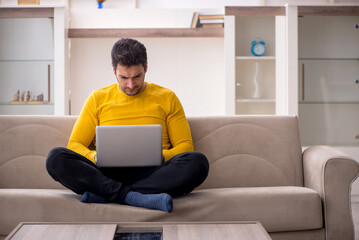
point(331, 173)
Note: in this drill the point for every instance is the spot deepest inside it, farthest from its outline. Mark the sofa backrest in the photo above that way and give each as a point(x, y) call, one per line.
point(243, 151)
point(249, 151)
point(25, 142)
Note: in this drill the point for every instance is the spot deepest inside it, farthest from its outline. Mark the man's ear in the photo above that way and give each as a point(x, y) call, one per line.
point(146, 67)
point(114, 70)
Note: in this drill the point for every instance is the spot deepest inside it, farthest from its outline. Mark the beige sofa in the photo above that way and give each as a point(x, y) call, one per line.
point(257, 172)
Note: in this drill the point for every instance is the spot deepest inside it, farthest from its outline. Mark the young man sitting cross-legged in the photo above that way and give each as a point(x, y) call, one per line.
point(130, 101)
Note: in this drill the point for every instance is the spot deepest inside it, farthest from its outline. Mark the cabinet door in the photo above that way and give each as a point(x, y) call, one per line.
point(255, 76)
point(328, 37)
point(255, 79)
point(26, 38)
point(329, 80)
point(26, 64)
point(331, 124)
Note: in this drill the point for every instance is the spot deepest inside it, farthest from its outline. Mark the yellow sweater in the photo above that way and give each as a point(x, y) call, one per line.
point(111, 106)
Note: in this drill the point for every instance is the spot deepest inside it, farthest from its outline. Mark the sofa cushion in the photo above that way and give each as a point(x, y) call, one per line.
point(277, 208)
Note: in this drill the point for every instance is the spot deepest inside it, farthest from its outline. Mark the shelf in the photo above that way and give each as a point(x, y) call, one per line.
point(259, 100)
point(37, 103)
point(144, 32)
point(26, 12)
point(26, 103)
point(328, 10)
point(328, 102)
point(26, 60)
point(330, 59)
point(255, 58)
point(255, 11)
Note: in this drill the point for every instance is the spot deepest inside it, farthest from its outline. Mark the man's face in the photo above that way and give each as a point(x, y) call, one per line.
point(131, 79)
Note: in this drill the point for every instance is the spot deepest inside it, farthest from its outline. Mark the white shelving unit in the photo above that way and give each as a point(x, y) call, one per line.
point(252, 81)
point(32, 50)
point(328, 74)
point(27, 64)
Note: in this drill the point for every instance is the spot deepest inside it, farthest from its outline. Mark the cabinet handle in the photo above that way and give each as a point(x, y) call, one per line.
point(303, 84)
point(48, 82)
point(357, 81)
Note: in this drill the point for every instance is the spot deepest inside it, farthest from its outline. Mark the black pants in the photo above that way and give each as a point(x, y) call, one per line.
point(177, 176)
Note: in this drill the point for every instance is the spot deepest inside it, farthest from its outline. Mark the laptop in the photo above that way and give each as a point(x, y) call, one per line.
point(129, 145)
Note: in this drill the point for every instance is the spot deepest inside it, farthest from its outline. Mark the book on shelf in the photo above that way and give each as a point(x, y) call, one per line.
point(206, 17)
point(207, 21)
point(213, 25)
point(195, 19)
point(28, 2)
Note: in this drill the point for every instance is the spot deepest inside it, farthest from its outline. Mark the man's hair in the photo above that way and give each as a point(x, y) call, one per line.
point(128, 52)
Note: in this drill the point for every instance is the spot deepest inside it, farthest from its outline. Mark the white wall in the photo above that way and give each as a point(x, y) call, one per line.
point(192, 67)
point(136, 18)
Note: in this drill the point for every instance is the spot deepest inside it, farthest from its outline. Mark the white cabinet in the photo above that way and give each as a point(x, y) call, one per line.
point(251, 80)
point(26, 65)
point(328, 73)
point(32, 58)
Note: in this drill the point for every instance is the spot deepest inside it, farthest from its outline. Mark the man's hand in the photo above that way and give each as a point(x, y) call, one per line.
point(96, 158)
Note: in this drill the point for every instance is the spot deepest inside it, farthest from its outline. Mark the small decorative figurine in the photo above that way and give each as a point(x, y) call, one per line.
point(26, 97)
point(40, 97)
point(16, 96)
point(23, 96)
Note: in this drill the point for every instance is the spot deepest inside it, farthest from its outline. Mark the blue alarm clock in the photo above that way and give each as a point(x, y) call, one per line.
point(258, 48)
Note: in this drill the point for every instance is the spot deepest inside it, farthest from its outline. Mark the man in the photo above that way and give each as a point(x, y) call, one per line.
point(130, 101)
